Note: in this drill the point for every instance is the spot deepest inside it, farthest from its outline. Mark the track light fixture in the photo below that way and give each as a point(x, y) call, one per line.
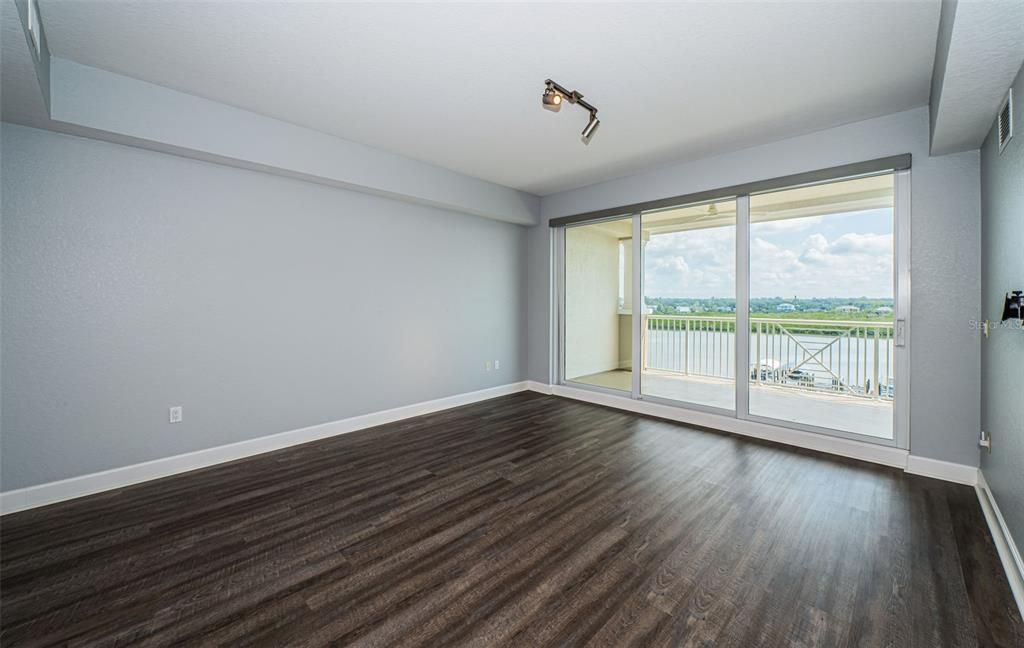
point(590, 128)
point(553, 97)
point(552, 100)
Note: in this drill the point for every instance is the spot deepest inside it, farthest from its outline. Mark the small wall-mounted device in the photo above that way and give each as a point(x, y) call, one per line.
point(1013, 308)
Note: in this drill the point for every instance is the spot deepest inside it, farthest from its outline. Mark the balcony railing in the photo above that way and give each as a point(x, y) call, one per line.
point(853, 358)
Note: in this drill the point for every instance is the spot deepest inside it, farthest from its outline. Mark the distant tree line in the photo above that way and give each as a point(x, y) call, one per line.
point(847, 308)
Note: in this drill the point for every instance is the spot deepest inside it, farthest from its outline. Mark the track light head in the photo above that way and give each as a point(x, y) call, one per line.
point(552, 100)
point(590, 128)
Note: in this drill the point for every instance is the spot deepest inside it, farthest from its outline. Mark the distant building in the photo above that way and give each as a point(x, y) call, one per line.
point(883, 310)
point(683, 309)
point(847, 309)
point(785, 308)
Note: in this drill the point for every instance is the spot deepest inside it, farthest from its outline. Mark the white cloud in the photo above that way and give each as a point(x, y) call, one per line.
point(852, 243)
point(701, 264)
point(851, 265)
point(697, 263)
point(816, 242)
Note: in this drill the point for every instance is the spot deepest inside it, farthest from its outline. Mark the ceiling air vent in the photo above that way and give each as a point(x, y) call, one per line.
point(1006, 121)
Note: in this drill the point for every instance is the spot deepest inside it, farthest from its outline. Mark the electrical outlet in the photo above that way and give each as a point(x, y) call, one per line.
point(175, 414)
point(497, 365)
point(487, 365)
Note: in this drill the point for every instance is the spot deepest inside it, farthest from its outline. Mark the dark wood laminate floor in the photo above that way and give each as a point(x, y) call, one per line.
point(526, 520)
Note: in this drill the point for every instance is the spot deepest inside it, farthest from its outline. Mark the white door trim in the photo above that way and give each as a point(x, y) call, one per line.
point(901, 355)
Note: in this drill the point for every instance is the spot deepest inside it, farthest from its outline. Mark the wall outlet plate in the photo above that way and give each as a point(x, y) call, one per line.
point(175, 414)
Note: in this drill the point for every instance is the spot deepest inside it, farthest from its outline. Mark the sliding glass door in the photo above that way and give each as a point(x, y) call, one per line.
point(822, 306)
point(785, 307)
point(598, 318)
point(689, 315)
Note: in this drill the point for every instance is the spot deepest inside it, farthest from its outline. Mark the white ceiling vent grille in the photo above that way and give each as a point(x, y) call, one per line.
point(1006, 121)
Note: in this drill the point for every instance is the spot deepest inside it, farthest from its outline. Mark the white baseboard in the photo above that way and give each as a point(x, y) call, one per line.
point(1009, 553)
point(833, 445)
point(65, 489)
point(944, 470)
point(58, 491)
point(539, 387)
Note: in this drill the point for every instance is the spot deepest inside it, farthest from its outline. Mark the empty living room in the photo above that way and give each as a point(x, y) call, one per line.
point(434, 324)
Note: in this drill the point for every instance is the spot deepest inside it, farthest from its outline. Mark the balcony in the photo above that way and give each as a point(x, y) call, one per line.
point(835, 374)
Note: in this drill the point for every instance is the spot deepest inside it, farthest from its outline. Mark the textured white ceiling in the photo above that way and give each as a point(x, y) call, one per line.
point(458, 85)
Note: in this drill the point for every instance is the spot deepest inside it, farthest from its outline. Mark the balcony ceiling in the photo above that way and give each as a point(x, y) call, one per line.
point(459, 85)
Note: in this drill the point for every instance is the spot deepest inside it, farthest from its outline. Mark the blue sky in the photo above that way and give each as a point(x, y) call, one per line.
point(839, 255)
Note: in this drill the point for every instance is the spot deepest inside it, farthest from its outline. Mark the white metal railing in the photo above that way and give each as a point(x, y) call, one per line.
point(854, 358)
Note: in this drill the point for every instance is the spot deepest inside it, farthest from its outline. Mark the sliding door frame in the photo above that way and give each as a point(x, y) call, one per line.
point(742, 369)
point(636, 258)
point(901, 300)
point(559, 342)
point(900, 170)
point(691, 405)
point(901, 352)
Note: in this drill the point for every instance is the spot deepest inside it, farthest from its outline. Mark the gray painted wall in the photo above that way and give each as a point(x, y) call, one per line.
point(134, 280)
point(104, 105)
point(945, 250)
point(1002, 354)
